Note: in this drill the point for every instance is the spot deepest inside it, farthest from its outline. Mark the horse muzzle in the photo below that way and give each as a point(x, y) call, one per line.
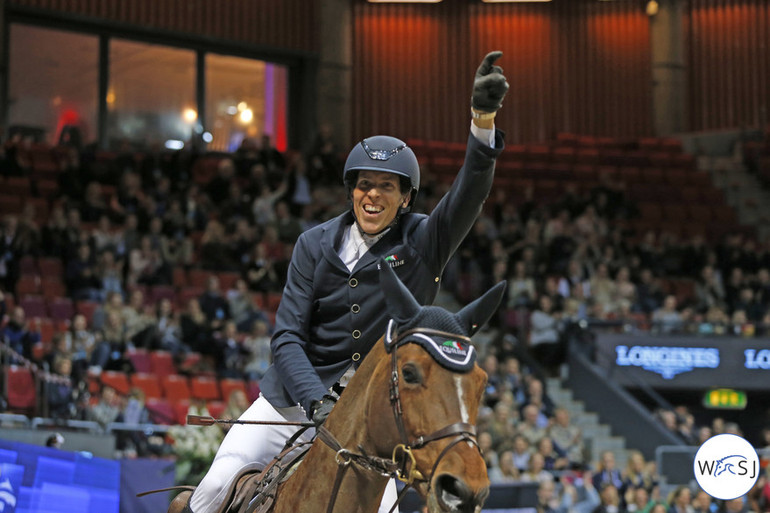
point(453, 495)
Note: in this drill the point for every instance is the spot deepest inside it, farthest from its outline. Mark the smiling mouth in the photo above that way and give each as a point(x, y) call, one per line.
point(372, 210)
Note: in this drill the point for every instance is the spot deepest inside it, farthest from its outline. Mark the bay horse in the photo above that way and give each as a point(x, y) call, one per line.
point(409, 411)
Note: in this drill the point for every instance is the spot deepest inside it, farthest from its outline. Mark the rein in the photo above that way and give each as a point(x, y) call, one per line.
point(402, 464)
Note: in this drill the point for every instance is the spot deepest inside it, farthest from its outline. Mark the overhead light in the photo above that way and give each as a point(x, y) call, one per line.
point(652, 8)
point(511, 1)
point(189, 115)
point(246, 116)
point(404, 1)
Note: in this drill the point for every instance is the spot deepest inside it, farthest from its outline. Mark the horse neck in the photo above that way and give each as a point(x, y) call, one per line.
point(361, 489)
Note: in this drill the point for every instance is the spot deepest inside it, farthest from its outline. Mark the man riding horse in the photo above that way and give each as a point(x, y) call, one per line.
point(333, 310)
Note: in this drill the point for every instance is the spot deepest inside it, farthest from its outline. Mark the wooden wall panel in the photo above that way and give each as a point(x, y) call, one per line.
point(284, 24)
point(729, 63)
point(581, 66)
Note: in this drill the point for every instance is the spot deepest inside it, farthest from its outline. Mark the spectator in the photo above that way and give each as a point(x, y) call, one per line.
point(214, 251)
point(679, 500)
point(231, 352)
point(195, 328)
point(169, 332)
point(553, 460)
point(545, 336)
point(146, 265)
point(286, 225)
point(506, 471)
point(82, 343)
point(567, 437)
point(536, 472)
point(61, 393)
point(530, 428)
point(133, 443)
point(257, 342)
point(107, 409)
point(667, 318)
point(82, 275)
point(243, 308)
point(213, 304)
point(606, 473)
point(12, 248)
point(637, 499)
point(610, 499)
point(521, 453)
point(649, 293)
point(486, 447)
point(18, 334)
point(55, 441)
point(709, 291)
point(635, 474)
point(259, 272)
point(702, 503)
point(237, 403)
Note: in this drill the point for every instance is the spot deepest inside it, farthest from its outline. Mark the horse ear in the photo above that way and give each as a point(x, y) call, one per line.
point(402, 306)
point(476, 314)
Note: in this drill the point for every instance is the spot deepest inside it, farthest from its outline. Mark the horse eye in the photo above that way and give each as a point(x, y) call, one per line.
point(410, 374)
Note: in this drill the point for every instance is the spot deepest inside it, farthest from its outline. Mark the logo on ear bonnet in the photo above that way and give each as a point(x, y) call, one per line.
point(455, 355)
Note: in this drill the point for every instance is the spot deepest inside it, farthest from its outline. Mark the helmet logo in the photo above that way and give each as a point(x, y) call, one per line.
point(381, 154)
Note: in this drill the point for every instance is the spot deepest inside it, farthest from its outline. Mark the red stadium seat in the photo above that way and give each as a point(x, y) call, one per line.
point(204, 387)
point(117, 380)
point(227, 385)
point(161, 411)
point(28, 284)
point(181, 408)
point(53, 288)
point(252, 390)
point(216, 408)
point(140, 359)
point(147, 383)
point(34, 306)
point(61, 309)
point(175, 387)
point(51, 267)
point(21, 391)
point(87, 309)
point(162, 363)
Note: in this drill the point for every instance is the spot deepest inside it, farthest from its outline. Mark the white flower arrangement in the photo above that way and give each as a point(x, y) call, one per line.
point(194, 448)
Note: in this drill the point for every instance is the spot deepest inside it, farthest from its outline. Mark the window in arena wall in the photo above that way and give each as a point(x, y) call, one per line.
point(52, 85)
point(245, 98)
point(151, 94)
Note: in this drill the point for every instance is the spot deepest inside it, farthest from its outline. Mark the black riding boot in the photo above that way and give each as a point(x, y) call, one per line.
point(186, 508)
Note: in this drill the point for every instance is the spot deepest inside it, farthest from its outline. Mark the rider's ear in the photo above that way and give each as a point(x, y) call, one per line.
point(477, 313)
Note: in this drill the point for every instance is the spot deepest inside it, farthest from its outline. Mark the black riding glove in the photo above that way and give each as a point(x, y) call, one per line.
point(489, 86)
point(320, 409)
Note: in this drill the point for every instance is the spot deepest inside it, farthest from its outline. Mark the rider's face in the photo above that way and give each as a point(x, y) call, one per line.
point(377, 197)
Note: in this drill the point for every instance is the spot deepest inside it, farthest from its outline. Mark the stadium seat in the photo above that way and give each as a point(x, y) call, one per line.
point(252, 390)
point(162, 363)
point(161, 411)
point(117, 380)
point(198, 278)
point(53, 288)
point(216, 408)
point(204, 387)
point(51, 267)
point(140, 359)
point(61, 309)
point(21, 389)
point(181, 407)
point(227, 385)
point(34, 306)
point(28, 284)
point(147, 383)
point(87, 308)
point(175, 387)
point(159, 292)
point(28, 265)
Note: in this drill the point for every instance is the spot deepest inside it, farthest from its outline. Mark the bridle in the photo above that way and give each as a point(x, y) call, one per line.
point(402, 464)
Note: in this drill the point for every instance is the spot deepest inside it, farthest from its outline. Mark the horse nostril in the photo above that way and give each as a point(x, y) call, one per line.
point(454, 495)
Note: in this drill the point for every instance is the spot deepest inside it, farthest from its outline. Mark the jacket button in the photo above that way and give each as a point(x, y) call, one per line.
point(353, 282)
point(436, 280)
point(356, 357)
point(356, 334)
point(355, 308)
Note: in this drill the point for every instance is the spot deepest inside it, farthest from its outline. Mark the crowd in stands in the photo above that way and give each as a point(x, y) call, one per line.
point(130, 228)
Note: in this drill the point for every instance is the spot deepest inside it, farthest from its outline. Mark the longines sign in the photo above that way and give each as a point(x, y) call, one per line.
point(686, 362)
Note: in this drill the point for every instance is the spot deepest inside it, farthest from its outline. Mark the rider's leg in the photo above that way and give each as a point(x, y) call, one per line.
point(244, 445)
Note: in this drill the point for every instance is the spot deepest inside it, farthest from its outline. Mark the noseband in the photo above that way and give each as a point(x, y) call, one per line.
point(403, 464)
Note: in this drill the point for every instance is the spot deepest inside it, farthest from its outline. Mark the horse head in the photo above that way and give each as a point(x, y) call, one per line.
point(436, 388)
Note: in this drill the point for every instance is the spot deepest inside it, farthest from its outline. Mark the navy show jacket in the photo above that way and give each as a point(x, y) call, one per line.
point(330, 317)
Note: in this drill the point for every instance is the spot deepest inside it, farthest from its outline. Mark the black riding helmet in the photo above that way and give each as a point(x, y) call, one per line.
point(386, 154)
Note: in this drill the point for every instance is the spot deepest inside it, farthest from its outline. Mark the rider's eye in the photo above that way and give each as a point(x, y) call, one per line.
point(410, 374)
